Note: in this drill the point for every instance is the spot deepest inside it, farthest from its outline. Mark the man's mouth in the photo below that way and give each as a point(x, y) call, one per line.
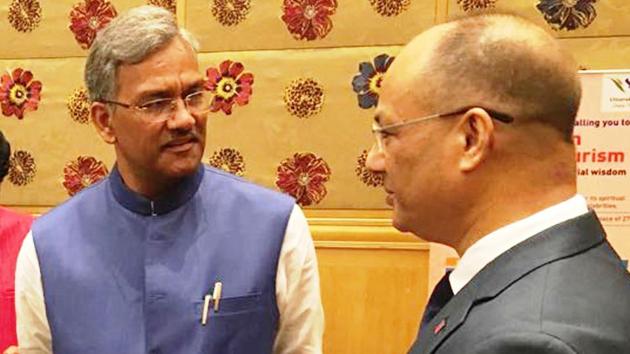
point(181, 144)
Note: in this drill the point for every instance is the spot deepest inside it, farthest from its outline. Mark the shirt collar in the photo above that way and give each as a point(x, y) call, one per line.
point(489, 247)
point(175, 197)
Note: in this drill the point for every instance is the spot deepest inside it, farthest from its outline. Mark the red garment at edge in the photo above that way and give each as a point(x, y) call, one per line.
point(13, 229)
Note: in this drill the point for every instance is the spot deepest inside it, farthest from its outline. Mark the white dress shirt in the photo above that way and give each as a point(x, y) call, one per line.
point(491, 246)
point(301, 324)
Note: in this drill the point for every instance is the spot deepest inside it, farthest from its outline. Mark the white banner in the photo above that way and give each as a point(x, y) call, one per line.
point(602, 139)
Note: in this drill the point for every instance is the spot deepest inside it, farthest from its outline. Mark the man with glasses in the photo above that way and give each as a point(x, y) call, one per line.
point(474, 136)
point(164, 255)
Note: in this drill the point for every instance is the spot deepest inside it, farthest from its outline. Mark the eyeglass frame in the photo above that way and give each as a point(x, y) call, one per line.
point(378, 131)
point(142, 108)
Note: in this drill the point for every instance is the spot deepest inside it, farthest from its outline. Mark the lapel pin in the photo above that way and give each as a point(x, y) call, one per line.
point(440, 326)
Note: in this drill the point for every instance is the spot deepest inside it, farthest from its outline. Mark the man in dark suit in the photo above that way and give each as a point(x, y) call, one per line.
point(474, 134)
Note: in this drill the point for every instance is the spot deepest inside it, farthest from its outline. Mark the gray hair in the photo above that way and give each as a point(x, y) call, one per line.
point(129, 39)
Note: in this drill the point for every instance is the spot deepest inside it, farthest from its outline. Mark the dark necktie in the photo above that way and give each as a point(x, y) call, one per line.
point(442, 293)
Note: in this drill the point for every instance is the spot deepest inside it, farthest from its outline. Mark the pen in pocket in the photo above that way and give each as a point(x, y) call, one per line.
point(215, 298)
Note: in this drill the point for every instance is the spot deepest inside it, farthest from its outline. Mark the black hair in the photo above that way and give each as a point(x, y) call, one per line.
point(5, 154)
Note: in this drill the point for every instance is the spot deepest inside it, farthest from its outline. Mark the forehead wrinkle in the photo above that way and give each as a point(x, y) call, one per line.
point(171, 86)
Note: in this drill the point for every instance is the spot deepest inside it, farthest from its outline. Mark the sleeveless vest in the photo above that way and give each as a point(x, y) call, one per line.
point(123, 274)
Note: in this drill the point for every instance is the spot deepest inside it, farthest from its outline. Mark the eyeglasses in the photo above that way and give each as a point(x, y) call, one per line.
point(197, 103)
point(380, 132)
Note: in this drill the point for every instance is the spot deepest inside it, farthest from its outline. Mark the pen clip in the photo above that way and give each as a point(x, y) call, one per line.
point(216, 295)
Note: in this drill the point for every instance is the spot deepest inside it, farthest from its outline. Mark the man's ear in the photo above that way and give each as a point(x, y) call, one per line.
point(476, 129)
point(102, 119)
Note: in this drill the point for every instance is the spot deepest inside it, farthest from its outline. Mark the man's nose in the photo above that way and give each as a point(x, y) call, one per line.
point(375, 160)
point(182, 119)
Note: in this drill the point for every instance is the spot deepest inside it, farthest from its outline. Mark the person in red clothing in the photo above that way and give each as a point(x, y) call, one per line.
point(13, 229)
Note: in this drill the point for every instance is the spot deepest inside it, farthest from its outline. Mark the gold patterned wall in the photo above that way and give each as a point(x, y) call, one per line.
point(309, 70)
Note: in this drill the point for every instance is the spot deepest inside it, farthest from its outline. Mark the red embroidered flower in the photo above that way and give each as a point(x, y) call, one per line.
point(25, 15)
point(18, 93)
point(82, 173)
point(309, 19)
point(230, 12)
point(88, 17)
point(366, 175)
point(229, 160)
point(170, 5)
point(303, 176)
point(79, 106)
point(22, 168)
point(568, 14)
point(230, 84)
point(390, 8)
point(470, 5)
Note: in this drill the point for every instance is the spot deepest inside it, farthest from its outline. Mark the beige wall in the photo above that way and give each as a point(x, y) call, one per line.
point(374, 280)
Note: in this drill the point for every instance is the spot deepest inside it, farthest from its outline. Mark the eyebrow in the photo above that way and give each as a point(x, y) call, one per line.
point(167, 93)
point(195, 86)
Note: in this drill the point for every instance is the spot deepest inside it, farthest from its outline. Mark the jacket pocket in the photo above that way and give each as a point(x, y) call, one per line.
point(230, 306)
point(241, 325)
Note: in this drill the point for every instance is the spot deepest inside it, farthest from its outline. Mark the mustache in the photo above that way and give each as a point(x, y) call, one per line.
point(180, 136)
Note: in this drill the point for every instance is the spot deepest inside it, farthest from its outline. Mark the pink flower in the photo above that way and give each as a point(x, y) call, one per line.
point(230, 84)
point(18, 93)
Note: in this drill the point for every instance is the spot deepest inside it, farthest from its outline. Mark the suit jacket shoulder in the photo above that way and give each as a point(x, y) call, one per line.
point(563, 288)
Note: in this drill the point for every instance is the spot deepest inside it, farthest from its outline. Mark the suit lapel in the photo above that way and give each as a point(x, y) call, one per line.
point(560, 241)
point(446, 321)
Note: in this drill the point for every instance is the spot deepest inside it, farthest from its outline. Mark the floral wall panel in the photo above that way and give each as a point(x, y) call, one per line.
point(295, 85)
point(565, 18)
point(224, 25)
point(42, 28)
point(266, 131)
point(49, 134)
point(600, 53)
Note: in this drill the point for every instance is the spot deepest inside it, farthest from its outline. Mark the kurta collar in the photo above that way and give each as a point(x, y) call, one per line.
point(177, 196)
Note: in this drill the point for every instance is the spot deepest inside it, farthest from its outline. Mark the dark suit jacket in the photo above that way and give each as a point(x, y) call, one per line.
point(561, 291)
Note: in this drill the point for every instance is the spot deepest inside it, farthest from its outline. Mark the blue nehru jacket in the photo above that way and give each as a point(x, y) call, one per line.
point(123, 274)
